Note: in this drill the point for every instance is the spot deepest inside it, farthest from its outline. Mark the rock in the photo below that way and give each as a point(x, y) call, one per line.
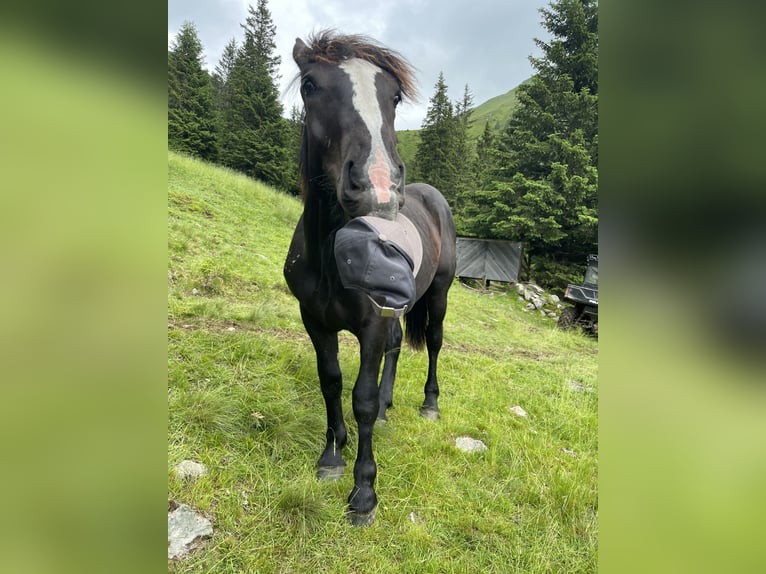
point(190, 469)
point(194, 291)
point(528, 295)
point(578, 387)
point(554, 299)
point(518, 411)
point(185, 526)
point(468, 444)
point(415, 519)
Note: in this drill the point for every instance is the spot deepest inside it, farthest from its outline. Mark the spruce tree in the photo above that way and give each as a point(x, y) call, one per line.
point(255, 136)
point(295, 132)
point(463, 152)
point(191, 113)
point(545, 192)
point(435, 153)
point(225, 66)
point(224, 101)
point(485, 159)
point(475, 218)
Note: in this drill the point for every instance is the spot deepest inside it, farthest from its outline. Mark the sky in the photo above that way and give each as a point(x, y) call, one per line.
point(485, 44)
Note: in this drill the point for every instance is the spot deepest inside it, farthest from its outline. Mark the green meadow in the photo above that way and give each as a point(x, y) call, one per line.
point(244, 399)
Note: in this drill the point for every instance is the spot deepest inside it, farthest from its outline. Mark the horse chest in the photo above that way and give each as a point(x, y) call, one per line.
point(332, 306)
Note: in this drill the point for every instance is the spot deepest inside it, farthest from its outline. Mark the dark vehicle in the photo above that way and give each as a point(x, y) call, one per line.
point(585, 300)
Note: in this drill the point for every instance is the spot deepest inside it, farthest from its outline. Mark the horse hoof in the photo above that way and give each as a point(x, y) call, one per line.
point(361, 518)
point(429, 413)
point(380, 422)
point(330, 472)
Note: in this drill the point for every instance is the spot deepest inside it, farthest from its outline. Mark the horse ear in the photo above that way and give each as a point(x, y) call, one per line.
point(300, 52)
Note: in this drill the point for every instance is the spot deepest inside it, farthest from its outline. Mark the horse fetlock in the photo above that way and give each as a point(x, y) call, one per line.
point(362, 503)
point(336, 440)
point(331, 458)
point(382, 412)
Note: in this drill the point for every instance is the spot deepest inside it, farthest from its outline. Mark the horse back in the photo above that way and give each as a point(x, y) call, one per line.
point(429, 211)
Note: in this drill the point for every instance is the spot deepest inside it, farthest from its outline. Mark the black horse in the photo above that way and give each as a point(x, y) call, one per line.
point(350, 168)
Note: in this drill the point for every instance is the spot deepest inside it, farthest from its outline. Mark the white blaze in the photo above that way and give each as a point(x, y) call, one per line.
point(365, 101)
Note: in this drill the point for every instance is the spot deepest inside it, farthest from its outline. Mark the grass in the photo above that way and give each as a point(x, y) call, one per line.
point(243, 398)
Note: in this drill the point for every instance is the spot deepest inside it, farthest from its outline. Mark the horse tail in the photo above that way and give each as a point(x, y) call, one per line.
point(416, 322)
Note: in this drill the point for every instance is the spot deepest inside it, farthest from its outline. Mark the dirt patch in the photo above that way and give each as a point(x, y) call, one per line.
point(497, 353)
point(231, 326)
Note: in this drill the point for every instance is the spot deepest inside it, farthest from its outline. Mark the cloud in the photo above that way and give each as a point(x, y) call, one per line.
point(485, 44)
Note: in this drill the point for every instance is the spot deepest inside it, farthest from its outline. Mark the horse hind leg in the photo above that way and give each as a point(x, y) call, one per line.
point(393, 347)
point(437, 309)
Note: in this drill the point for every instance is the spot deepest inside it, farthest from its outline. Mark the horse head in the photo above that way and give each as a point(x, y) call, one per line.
point(350, 88)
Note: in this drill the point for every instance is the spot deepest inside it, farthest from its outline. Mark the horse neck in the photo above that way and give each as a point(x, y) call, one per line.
point(322, 216)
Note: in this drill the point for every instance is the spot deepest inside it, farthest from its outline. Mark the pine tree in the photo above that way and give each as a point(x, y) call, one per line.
point(224, 100)
point(476, 215)
point(463, 152)
point(225, 66)
point(545, 192)
point(191, 113)
point(255, 136)
point(485, 160)
point(295, 132)
point(435, 153)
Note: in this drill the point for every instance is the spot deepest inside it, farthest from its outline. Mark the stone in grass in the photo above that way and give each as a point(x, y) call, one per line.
point(184, 528)
point(518, 411)
point(190, 469)
point(415, 519)
point(468, 444)
point(578, 387)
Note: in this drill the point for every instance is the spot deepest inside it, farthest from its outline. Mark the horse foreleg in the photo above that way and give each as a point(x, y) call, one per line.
point(362, 501)
point(393, 347)
point(331, 464)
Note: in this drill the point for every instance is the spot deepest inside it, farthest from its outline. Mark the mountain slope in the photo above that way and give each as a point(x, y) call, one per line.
point(497, 111)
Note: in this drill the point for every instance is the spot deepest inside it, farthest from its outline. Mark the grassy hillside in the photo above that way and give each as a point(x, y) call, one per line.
point(497, 111)
point(407, 145)
point(243, 398)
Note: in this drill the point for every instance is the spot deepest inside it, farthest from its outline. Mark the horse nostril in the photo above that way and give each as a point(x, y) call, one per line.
point(355, 180)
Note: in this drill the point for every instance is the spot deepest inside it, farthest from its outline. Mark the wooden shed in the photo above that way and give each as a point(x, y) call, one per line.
point(488, 259)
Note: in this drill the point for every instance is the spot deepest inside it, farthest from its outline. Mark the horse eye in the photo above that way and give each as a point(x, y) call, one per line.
point(397, 99)
point(308, 87)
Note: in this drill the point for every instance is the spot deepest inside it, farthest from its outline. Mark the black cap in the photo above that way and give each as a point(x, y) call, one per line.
point(368, 260)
